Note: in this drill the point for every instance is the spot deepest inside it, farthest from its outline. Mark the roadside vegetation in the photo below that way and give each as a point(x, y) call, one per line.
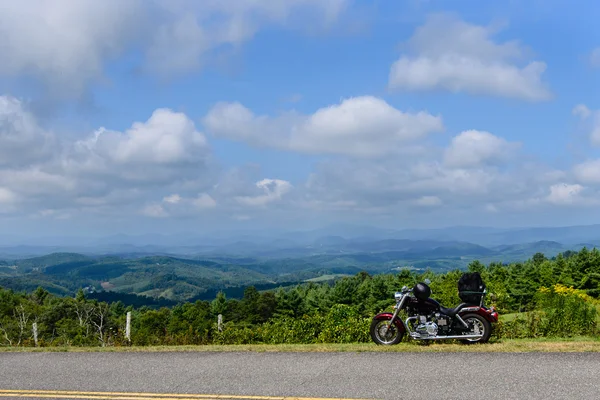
point(578, 344)
point(549, 299)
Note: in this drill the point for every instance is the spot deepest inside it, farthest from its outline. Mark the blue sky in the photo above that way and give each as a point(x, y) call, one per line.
point(135, 116)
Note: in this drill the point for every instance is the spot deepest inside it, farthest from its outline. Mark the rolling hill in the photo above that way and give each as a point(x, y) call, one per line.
point(200, 275)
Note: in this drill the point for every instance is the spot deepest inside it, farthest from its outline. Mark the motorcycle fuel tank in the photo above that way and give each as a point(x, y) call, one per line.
point(424, 306)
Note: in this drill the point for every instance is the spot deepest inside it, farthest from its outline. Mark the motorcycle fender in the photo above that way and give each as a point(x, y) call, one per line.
point(388, 316)
point(490, 315)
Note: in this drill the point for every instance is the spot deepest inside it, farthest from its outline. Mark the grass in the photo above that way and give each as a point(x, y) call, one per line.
point(511, 317)
point(580, 344)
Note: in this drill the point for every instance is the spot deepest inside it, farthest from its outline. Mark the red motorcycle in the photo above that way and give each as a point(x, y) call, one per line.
point(470, 321)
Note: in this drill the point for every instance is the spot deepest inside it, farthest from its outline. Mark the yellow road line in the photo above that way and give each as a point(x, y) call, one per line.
point(53, 394)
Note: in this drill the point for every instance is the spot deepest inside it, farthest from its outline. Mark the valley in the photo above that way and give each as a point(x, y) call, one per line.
point(166, 274)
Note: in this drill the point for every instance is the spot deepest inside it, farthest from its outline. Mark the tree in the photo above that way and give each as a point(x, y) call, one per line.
point(476, 266)
point(538, 258)
point(100, 313)
point(219, 304)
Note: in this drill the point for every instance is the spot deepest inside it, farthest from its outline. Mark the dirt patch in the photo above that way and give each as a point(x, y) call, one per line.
point(107, 285)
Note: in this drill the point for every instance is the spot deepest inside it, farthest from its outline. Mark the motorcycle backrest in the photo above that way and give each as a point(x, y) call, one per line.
point(471, 287)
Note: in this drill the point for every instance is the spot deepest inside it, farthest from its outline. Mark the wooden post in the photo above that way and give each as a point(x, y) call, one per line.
point(220, 323)
point(35, 334)
point(128, 327)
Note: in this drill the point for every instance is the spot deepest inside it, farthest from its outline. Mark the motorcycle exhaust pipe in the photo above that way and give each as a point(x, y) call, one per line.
point(448, 337)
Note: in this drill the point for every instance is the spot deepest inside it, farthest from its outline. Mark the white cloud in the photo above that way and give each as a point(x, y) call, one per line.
point(565, 194)
point(38, 181)
point(475, 176)
point(457, 56)
point(588, 172)
point(64, 42)
point(582, 111)
point(591, 119)
point(429, 201)
point(165, 148)
point(163, 168)
point(360, 126)
point(154, 211)
point(274, 189)
point(67, 43)
point(193, 28)
point(22, 140)
point(7, 196)
point(167, 137)
point(175, 205)
point(204, 201)
point(106, 169)
point(172, 199)
point(471, 149)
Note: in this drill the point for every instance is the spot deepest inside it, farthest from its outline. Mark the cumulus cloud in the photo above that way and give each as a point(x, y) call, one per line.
point(7, 196)
point(192, 29)
point(154, 211)
point(453, 55)
point(65, 44)
point(204, 201)
point(360, 126)
point(429, 201)
point(22, 140)
point(588, 172)
point(107, 168)
point(466, 180)
point(565, 194)
point(273, 189)
point(163, 168)
point(591, 119)
point(172, 199)
point(582, 111)
point(474, 148)
point(175, 205)
point(166, 138)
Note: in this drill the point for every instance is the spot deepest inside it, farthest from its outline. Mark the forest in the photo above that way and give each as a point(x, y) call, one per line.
point(540, 297)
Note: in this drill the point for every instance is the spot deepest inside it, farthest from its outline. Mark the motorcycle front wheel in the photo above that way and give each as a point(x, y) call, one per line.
point(380, 336)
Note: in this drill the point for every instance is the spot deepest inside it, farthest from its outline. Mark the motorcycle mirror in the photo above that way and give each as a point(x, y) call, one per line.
point(427, 282)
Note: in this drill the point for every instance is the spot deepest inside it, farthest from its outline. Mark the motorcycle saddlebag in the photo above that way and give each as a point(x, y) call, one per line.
point(471, 287)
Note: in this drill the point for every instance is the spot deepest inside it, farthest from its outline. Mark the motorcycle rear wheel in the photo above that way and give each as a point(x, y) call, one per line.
point(477, 321)
point(393, 335)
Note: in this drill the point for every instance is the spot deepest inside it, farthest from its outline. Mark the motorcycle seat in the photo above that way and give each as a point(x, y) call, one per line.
point(451, 312)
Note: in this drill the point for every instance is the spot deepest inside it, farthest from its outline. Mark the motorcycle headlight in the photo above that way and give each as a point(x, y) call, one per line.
point(398, 296)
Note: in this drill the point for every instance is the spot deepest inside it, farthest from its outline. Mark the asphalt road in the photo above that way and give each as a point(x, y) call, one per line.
point(326, 375)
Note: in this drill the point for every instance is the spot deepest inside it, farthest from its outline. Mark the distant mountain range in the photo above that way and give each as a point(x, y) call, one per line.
point(190, 266)
point(336, 238)
point(194, 271)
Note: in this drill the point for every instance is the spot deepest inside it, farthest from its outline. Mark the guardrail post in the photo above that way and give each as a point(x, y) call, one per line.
point(35, 334)
point(128, 327)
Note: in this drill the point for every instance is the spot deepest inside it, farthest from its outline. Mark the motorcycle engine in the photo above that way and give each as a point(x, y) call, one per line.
point(443, 323)
point(426, 327)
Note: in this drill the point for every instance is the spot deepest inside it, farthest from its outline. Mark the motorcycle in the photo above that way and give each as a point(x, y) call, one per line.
point(429, 320)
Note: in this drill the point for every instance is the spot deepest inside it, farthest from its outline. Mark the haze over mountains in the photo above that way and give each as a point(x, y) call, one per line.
point(187, 267)
point(468, 240)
